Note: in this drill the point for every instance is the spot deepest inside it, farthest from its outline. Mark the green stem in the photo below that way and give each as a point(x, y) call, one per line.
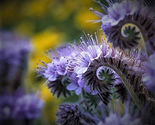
point(129, 88)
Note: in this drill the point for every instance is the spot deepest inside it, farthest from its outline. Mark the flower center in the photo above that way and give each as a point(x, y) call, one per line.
point(65, 81)
point(130, 31)
point(105, 73)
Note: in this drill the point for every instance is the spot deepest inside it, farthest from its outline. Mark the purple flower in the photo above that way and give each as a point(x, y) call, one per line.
point(94, 67)
point(51, 73)
point(77, 85)
point(74, 84)
point(58, 72)
point(70, 114)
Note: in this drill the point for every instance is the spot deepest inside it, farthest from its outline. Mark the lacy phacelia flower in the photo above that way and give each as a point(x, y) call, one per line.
point(95, 68)
point(56, 72)
point(70, 114)
point(14, 52)
point(124, 21)
point(57, 76)
point(148, 78)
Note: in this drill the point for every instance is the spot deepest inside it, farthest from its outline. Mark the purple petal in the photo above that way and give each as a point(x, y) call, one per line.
point(78, 91)
point(72, 86)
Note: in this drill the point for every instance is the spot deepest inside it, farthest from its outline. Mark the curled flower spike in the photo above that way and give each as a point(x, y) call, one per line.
point(101, 72)
point(70, 114)
point(125, 22)
point(97, 69)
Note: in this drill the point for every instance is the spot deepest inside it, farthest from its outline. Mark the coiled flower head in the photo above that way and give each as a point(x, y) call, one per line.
point(124, 22)
point(102, 68)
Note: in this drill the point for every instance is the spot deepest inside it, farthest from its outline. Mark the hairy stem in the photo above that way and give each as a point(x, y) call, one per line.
point(129, 88)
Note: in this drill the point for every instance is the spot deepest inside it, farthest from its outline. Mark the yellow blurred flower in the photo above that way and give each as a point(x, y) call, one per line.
point(36, 8)
point(61, 10)
point(51, 104)
point(46, 95)
point(82, 21)
point(26, 28)
point(42, 42)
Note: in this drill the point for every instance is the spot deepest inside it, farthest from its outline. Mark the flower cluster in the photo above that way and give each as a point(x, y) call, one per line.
point(107, 71)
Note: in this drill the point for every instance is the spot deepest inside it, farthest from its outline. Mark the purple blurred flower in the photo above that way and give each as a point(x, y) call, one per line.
point(28, 106)
point(14, 51)
point(126, 119)
point(14, 48)
point(129, 116)
point(20, 106)
point(7, 107)
point(149, 76)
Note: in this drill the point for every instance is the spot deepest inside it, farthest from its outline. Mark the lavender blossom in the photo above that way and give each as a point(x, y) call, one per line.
point(117, 20)
point(61, 79)
point(57, 76)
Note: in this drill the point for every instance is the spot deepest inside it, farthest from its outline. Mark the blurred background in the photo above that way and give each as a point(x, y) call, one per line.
point(48, 24)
